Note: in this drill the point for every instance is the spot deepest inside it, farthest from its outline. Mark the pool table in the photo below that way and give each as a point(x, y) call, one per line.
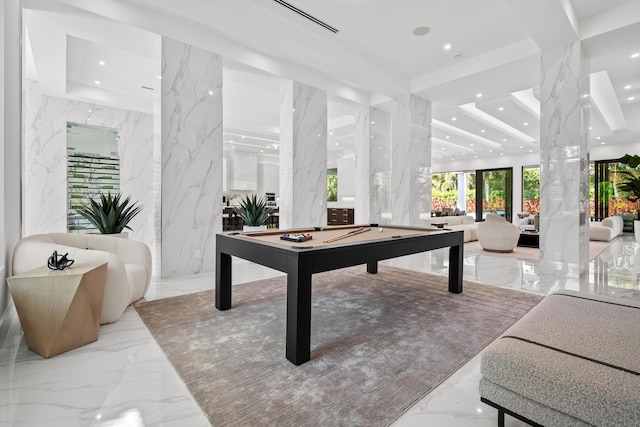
point(330, 248)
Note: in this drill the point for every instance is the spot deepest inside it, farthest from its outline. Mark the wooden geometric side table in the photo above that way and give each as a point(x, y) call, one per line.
point(59, 309)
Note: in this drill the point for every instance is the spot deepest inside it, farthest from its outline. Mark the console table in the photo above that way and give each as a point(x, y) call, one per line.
point(59, 309)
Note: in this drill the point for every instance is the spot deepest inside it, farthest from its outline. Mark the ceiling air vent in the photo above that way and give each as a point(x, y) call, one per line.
point(306, 15)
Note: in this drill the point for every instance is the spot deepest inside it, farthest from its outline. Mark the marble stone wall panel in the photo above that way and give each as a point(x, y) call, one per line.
point(191, 134)
point(44, 163)
point(45, 160)
point(362, 203)
point(411, 160)
point(189, 223)
point(191, 101)
point(381, 191)
point(303, 156)
point(563, 159)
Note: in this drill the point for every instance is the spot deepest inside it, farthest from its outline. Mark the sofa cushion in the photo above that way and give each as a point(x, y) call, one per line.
point(466, 219)
point(453, 220)
point(550, 356)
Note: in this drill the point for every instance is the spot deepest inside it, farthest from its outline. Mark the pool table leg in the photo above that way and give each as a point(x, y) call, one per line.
point(455, 268)
point(372, 267)
point(298, 311)
point(223, 281)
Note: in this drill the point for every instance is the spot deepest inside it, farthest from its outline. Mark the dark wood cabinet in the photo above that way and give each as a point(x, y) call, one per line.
point(339, 216)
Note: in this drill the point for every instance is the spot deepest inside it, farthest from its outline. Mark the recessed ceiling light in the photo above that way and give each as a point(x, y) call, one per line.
point(336, 144)
point(501, 109)
point(482, 131)
point(471, 145)
point(442, 148)
point(89, 110)
point(210, 92)
point(504, 139)
point(627, 87)
point(97, 82)
point(447, 137)
point(102, 63)
point(597, 137)
point(635, 55)
point(373, 123)
point(502, 154)
point(602, 143)
point(521, 146)
point(526, 123)
point(478, 95)
point(491, 151)
point(159, 77)
point(590, 128)
point(262, 151)
point(421, 31)
point(447, 46)
point(631, 98)
point(453, 119)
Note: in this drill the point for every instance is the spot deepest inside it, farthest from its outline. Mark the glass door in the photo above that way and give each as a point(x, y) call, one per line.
point(494, 192)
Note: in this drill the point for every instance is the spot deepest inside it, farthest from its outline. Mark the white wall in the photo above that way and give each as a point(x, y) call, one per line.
point(10, 135)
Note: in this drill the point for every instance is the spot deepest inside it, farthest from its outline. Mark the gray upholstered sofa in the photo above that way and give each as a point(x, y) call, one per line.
point(607, 229)
point(465, 223)
point(571, 361)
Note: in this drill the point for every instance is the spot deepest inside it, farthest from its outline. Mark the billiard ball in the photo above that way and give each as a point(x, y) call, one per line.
point(380, 230)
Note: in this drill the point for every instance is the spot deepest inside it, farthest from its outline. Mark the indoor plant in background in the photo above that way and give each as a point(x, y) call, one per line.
point(254, 212)
point(631, 184)
point(110, 214)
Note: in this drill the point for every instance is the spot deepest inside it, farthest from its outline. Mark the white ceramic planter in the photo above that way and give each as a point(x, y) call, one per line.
point(251, 228)
point(636, 230)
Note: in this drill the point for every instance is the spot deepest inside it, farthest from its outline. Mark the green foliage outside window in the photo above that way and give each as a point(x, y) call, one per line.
point(332, 185)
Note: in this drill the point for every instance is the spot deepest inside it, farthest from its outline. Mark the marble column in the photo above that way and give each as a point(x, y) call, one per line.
point(191, 138)
point(411, 161)
point(373, 166)
point(303, 156)
point(564, 161)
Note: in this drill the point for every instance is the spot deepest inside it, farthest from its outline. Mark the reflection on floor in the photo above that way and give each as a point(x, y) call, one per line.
point(124, 379)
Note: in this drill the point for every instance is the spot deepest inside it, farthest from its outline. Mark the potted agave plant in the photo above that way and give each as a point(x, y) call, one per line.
point(254, 212)
point(110, 214)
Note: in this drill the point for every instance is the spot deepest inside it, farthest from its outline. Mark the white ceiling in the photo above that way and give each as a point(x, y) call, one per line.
point(374, 57)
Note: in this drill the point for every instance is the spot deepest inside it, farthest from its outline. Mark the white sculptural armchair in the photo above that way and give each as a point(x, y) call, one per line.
point(128, 264)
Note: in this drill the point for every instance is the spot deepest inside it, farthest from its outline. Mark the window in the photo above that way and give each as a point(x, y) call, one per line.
point(494, 190)
point(531, 190)
point(332, 185)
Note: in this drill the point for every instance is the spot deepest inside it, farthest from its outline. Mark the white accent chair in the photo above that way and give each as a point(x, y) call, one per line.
point(495, 234)
point(128, 264)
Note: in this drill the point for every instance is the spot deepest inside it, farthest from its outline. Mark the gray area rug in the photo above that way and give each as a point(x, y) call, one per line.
point(379, 343)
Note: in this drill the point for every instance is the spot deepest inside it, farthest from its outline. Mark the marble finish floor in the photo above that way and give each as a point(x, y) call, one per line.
point(123, 379)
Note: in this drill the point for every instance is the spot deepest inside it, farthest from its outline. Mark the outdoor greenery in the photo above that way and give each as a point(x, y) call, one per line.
point(531, 190)
point(253, 210)
point(332, 188)
point(444, 191)
point(109, 215)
